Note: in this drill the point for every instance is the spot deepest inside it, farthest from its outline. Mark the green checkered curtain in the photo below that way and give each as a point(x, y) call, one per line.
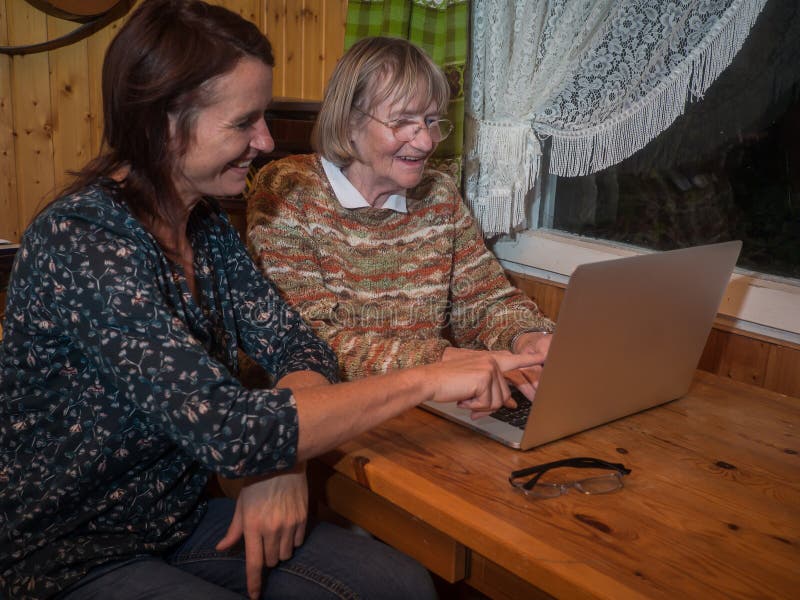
point(441, 28)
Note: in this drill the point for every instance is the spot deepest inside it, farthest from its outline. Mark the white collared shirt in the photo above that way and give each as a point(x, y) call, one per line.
point(349, 197)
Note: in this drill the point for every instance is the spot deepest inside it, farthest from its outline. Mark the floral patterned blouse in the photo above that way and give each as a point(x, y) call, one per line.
point(118, 391)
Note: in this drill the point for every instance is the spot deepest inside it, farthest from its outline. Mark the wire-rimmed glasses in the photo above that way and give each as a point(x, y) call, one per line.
point(405, 130)
point(600, 484)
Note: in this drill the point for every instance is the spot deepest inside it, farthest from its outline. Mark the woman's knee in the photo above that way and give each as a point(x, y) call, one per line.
point(342, 564)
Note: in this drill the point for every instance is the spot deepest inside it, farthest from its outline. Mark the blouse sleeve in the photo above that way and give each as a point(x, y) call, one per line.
point(104, 291)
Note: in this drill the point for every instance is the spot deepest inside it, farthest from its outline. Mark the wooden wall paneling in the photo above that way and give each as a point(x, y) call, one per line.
point(309, 37)
point(711, 358)
point(30, 91)
point(783, 371)
point(9, 209)
point(252, 10)
point(275, 29)
point(335, 22)
point(549, 298)
point(69, 98)
point(260, 16)
point(97, 44)
point(293, 49)
point(745, 359)
point(313, 25)
point(547, 295)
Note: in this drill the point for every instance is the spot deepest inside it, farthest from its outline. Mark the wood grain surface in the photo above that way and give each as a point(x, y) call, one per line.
point(51, 112)
point(710, 510)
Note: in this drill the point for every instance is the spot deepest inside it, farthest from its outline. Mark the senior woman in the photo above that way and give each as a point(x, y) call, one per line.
point(377, 252)
point(129, 301)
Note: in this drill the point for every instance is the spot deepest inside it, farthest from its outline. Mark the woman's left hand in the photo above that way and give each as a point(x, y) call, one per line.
point(272, 512)
point(272, 516)
point(533, 342)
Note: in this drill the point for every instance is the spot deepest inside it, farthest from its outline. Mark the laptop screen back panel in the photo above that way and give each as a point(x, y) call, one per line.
point(630, 334)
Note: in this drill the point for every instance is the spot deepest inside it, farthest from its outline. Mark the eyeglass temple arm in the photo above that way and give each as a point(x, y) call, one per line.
point(581, 462)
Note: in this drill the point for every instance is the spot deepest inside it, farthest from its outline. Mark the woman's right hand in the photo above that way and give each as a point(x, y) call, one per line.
point(330, 415)
point(474, 379)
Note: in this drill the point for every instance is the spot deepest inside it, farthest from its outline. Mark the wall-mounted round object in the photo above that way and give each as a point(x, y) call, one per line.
point(92, 14)
point(75, 10)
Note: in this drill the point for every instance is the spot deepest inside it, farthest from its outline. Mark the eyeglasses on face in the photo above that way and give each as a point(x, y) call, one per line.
point(405, 130)
point(601, 484)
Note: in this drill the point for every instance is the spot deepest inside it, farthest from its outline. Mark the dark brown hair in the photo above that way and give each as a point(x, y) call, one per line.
point(160, 64)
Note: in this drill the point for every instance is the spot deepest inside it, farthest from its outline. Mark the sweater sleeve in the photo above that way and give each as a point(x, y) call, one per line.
point(281, 240)
point(486, 309)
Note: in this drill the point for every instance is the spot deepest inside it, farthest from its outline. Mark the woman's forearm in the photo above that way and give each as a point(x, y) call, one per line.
point(332, 414)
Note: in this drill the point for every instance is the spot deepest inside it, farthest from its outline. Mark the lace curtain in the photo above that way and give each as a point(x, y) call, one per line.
point(598, 78)
point(441, 28)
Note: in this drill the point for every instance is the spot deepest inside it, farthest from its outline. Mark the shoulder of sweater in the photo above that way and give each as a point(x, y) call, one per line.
point(436, 188)
point(295, 184)
point(434, 177)
point(289, 173)
point(290, 181)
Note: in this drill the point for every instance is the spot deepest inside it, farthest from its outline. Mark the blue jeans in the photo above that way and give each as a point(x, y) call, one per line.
point(331, 563)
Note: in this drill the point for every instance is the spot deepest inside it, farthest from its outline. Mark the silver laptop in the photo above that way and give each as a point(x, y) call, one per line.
point(630, 333)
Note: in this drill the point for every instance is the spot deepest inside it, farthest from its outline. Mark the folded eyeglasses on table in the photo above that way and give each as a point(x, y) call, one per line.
point(599, 484)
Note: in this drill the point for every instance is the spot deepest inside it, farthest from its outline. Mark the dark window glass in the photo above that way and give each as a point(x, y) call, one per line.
point(729, 168)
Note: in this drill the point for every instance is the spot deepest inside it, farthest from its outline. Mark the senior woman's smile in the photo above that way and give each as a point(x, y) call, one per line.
point(386, 162)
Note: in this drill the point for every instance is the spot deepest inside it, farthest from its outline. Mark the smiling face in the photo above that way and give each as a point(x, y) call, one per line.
point(384, 165)
point(227, 134)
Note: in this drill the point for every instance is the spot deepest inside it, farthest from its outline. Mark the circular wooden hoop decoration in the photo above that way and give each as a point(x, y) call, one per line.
point(75, 10)
point(92, 14)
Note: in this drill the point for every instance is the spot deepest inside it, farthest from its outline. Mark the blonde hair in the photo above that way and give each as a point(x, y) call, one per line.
point(373, 70)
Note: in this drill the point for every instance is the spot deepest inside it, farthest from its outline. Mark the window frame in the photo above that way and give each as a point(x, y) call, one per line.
point(758, 303)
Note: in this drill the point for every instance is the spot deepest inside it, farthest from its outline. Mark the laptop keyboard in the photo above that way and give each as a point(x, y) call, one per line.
point(515, 416)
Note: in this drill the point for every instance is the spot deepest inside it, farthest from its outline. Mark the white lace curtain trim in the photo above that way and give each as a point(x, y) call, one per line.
point(502, 157)
point(597, 147)
point(510, 150)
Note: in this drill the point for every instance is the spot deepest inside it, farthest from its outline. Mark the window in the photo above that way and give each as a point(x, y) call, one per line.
point(729, 168)
point(667, 196)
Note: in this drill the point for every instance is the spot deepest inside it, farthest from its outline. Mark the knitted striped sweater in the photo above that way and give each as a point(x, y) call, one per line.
point(385, 289)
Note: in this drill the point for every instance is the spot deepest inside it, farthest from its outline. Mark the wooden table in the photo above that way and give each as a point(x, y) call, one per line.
point(710, 510)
